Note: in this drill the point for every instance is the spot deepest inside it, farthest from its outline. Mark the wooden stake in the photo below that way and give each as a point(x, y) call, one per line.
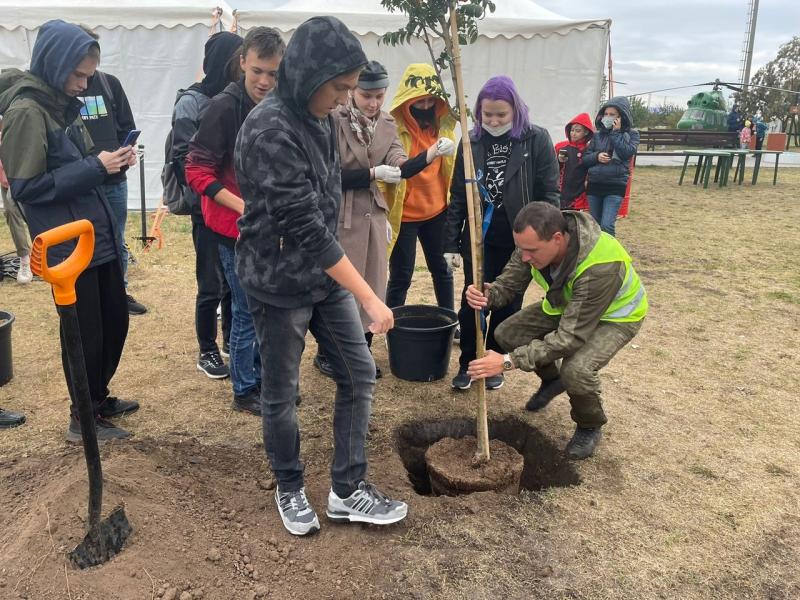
point(474, 221)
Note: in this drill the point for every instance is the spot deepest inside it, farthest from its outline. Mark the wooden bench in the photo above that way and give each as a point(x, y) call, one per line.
point(693, 138)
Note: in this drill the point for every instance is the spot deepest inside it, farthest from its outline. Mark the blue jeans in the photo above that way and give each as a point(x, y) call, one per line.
point(117, 196)
point(245, 361)
point(604, 209)
point(336, 325)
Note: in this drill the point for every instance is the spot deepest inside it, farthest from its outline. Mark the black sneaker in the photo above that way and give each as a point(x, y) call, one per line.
point(211, 364)
point(226, 350)
point(134, 307)
point(546, 392)
point(457, 335)
point(106, 430)
point(249, 402)
point(495, 382)
point(9, 419)
point(583, 442)
point(378, 372)
point(323, 366)
point(114, 407)
point(462, 381)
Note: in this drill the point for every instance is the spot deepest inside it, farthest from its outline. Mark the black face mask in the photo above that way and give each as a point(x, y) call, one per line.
point(424, 115)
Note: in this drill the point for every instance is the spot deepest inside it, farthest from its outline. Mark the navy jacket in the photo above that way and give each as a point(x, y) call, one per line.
point(46, 149)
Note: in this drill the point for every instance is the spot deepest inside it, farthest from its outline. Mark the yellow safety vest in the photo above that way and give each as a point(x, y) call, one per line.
point(630, 303)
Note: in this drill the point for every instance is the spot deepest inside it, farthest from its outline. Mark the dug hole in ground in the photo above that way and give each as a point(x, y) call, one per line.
point(693, 492)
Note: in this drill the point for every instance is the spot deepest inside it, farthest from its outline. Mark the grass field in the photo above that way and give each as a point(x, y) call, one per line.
point(694, 491)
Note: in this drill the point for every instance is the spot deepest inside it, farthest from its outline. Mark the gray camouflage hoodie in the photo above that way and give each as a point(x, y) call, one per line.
point(287, 166)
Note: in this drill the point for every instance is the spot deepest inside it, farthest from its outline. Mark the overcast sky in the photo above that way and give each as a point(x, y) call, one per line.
point(666, 43)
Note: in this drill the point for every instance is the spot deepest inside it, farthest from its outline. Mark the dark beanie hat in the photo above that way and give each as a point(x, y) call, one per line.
point(373, 77)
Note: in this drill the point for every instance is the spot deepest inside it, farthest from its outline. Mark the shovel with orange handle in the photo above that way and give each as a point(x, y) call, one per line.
point(106, 537)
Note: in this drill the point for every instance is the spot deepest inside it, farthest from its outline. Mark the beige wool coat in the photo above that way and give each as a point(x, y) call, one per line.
point(363, 213)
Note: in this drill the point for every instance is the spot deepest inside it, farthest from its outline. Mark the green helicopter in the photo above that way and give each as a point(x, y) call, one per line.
point(707, 111)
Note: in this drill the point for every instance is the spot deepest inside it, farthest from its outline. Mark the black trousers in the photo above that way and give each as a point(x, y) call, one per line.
point(404, 254)
point(212, 289)
point(494, 260)
point(102, 309)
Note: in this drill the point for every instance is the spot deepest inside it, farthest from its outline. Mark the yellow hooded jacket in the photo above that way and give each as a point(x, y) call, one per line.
point(395, 195)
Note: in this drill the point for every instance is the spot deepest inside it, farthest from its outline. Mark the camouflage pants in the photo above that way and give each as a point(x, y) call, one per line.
point(579, 371)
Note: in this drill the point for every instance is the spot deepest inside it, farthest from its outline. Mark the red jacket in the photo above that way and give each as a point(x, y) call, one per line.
point(209, 164)
point(572, 173)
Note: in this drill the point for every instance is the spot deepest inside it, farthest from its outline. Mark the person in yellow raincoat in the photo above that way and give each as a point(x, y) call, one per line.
point(418, 206)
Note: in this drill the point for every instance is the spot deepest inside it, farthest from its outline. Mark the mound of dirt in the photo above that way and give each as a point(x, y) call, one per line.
point(199, 516)
point(453, 471)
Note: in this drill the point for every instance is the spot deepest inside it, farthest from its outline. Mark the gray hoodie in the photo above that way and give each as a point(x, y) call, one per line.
point(287, 166)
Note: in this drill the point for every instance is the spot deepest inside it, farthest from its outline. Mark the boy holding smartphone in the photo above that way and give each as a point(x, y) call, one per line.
point(107, 116)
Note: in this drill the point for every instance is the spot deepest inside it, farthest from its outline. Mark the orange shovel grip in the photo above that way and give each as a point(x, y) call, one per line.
point(63, 276)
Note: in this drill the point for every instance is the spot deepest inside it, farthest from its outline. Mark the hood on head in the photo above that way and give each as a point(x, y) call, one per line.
point(407, 93)
point(59, 48)
point(321, 49)
point(581, 119)
point(623, 106)
point(220, 49)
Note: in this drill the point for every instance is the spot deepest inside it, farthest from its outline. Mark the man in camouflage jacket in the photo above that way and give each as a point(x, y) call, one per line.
point(594, 305)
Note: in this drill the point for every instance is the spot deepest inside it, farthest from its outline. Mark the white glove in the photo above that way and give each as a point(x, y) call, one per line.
point(445, 147)
point(387, 174)
point(389, 233)
point(453, 260)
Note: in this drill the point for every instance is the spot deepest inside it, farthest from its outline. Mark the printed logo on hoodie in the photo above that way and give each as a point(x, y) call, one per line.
point(93, 107)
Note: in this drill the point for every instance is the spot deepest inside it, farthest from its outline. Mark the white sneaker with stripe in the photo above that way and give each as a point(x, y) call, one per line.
point(366, 505)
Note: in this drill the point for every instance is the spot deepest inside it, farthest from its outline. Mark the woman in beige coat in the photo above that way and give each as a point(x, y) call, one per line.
point(370, 153)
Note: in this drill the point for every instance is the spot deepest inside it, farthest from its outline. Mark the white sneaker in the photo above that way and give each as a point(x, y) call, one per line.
point(24, 275)
point(296, 513)
point(366, 505)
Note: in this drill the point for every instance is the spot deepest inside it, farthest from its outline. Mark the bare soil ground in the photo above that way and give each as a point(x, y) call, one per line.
point(693, 493)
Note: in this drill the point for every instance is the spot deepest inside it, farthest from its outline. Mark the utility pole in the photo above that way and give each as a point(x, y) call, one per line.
point(750, 36)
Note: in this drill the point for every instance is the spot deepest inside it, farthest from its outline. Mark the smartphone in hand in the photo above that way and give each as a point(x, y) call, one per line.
point(131, 138)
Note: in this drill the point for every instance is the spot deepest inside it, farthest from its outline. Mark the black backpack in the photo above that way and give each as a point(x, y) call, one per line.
point(178, 196)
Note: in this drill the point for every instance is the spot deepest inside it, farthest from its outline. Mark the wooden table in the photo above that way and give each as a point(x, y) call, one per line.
point(741, 155)
point(705, 161)
point(758, 154)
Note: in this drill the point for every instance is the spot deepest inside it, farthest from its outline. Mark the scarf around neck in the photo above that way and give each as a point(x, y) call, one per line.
point(362, 126)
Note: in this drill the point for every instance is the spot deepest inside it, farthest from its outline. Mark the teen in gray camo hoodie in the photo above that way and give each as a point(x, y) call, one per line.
point(297, 278)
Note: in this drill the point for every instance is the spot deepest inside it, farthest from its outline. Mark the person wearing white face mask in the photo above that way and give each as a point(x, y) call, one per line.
point(371, 156)
point(515, 164)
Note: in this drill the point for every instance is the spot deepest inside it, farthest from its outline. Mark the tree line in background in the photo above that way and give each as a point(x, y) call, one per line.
point(781, 72)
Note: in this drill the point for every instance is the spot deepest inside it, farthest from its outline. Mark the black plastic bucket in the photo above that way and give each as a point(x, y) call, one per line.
point(421, 341)
point(6, 366)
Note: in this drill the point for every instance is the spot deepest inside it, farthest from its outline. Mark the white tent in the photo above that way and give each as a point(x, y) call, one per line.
point(154, 47)
point(557, 63)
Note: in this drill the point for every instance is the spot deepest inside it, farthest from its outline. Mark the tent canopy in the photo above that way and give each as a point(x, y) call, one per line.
point(30, 14)
point(511, 17)
point(155, 47)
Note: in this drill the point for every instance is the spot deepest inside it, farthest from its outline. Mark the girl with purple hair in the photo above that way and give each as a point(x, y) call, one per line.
point(515, 164)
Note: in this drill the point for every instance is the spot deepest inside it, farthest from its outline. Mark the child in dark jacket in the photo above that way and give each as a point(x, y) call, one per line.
point(608, 157)
point(572, 171)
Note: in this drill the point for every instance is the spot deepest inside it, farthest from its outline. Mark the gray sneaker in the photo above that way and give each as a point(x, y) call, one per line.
point(297, 515)
point(366, 505)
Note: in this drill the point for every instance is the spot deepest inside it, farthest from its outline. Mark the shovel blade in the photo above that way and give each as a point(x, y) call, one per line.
point(103, 542)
